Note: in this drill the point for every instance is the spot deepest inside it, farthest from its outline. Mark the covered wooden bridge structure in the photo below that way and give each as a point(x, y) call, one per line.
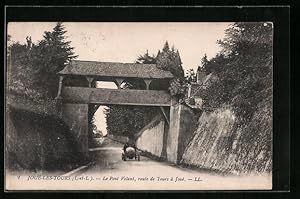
point(152, 90)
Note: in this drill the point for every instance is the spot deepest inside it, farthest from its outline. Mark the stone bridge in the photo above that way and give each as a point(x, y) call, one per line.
point(77, 92)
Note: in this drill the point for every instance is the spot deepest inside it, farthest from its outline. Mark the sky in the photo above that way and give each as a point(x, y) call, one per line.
point(124, 42)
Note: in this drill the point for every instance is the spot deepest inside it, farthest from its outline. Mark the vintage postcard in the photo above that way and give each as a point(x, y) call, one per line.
point(139, 106)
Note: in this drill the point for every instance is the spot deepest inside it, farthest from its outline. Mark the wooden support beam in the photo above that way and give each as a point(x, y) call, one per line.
point(105, 96)
point(147, 82)
point(90, 80)
point(119, 81)
point(61, 78)
point(164, 114)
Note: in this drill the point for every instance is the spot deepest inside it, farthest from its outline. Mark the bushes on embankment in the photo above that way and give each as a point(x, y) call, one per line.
point(38, 142)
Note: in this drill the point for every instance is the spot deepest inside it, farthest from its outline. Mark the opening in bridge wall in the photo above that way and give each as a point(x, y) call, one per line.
point(97, 125)
point(106, 84)
point(133, 83)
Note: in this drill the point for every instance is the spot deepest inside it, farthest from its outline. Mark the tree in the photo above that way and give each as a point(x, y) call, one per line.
point(21, 72)
point(98, 134)
point(170, 60)
point(248, 40)
point(216, 64)
point(146, 59)
point(204, 64)
point(127, 120)
point(32, 67)
point(244, 67)
point(178, 87)
point(50, 56)
point(190, 76)
point(166, 47)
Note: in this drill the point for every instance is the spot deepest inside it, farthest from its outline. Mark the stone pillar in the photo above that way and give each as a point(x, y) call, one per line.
point(173, 134)
point(61, 78)
point(187, 127)
point(182, 125)
point(76, 117)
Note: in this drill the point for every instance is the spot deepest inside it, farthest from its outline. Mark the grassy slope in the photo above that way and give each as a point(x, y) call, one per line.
point(36, 139)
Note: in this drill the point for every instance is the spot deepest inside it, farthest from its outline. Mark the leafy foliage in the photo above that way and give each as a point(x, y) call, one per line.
point(21, 72)
point(191, 76)
point(215, 64)
point(204, 64)
point(239, 94)
point(178, 87)
point(51, 55)
point(128, 120)
point(170, 60)
point(244, 68)
point(146, 59)
point(35, 66)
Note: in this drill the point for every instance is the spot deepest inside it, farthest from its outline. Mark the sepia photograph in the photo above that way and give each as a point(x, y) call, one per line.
point(139, 106)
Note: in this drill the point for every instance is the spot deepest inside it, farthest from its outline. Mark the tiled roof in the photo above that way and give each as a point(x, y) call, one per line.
point(115, 69)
